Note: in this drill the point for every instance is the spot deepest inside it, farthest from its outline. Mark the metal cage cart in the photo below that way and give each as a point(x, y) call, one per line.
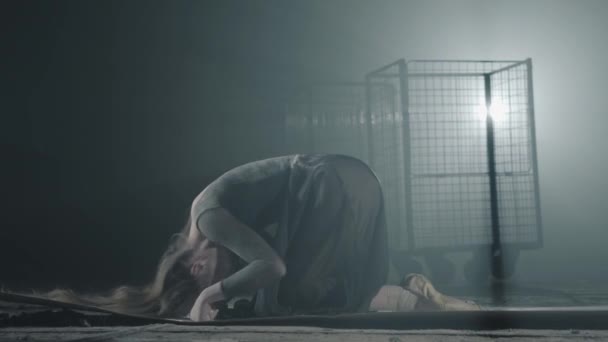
point(453, 143)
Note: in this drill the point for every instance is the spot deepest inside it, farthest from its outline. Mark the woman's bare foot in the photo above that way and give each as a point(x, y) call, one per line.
point(431, 299)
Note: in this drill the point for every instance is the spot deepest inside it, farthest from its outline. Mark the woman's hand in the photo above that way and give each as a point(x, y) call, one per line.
point(202, 310)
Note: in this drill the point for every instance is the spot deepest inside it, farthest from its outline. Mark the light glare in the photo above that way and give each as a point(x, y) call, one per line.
point(497, 110)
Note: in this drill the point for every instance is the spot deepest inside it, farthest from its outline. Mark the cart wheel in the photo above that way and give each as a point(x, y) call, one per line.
point(442, 270)
point(405, 264)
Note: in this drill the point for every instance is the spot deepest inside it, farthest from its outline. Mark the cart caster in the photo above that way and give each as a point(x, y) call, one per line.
point(405, 264)
point(441, 269)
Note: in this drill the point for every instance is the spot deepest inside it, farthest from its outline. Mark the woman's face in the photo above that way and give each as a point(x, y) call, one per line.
point(203, 265)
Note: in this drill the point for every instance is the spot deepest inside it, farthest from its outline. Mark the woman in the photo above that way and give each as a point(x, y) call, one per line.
point(310, 229)
point(299, 234)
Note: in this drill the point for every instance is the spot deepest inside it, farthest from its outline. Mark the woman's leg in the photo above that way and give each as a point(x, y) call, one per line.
point(417, 293)
point(394, 298)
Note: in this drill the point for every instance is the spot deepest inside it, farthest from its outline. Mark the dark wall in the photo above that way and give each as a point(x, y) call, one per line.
point(115, 114)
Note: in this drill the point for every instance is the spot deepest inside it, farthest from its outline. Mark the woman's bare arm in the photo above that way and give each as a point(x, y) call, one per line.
point(264, 266)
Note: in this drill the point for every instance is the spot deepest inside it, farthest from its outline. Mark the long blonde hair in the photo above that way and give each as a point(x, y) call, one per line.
point(170, 294)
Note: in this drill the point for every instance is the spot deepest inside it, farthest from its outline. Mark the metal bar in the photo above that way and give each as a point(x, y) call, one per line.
point(457, 61)
point(496, 248)
point(368, 121)
point(444, 74)
point(507, 67)
point(448, 74)
point(379, 70)
point(407, 181)
point(467, 174)
point(393, 107)
point(534, 155)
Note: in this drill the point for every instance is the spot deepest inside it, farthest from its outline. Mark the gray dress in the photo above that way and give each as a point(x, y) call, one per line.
point(323, 215)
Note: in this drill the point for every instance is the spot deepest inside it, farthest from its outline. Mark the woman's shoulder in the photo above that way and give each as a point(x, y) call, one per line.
point(278, 163)
point(314, 161)
point(258, 169)
point(242, 178)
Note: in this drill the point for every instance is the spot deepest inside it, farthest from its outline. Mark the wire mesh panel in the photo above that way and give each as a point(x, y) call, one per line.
point(515, 157)
point(328, 118)
point(335, 118)
point(466, 161)
point(449, 192)
point(451, 141)
point(384, 109)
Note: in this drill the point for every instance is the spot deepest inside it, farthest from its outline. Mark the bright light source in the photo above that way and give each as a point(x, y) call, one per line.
point(498, 110)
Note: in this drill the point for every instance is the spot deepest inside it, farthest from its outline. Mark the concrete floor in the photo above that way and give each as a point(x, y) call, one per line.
point(568, 323)
point(169, 332)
